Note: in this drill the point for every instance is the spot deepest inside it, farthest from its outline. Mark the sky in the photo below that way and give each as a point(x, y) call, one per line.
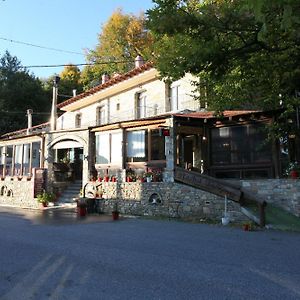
point(68, 25)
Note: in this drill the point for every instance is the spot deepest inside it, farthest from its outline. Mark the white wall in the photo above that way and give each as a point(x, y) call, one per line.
point(121, 106)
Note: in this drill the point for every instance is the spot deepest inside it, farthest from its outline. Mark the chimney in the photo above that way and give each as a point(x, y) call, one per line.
point(139, 61)
point(29, 118)
point(105, 78)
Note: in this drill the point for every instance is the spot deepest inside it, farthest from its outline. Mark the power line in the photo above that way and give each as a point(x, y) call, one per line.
point(78, 65)
point(39, 46)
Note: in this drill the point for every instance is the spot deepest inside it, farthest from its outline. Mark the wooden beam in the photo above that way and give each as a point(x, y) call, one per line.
point(189, 130)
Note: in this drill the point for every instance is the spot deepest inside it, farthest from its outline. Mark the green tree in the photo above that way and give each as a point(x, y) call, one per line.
point(246, 53)
point(122, 38)
point(20, 91)
point(244, 61)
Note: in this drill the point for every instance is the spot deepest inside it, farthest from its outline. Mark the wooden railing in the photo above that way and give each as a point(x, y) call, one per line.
point(221, 188)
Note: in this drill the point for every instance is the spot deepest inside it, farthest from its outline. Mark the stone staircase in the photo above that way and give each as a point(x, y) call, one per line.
point(71, 192)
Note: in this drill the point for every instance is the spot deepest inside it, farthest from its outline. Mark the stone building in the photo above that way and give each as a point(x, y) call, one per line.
point(133, 125)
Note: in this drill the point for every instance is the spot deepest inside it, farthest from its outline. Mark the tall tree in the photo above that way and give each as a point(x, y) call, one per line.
point(122, 38)
point(246, 53)
point(245, 61)
point(19, 91)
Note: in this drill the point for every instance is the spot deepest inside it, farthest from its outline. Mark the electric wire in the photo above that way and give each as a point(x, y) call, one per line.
point(78, 65)
point(39, 46)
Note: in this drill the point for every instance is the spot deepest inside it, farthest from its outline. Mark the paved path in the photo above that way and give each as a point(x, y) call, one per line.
point(96, 258)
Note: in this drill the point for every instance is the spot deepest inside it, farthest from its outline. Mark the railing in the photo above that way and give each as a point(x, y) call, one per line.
point(221, 188)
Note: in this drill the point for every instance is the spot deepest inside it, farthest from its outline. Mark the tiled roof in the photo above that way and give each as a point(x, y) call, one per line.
point(211, 114)
point(23, 132)
point(109, 83)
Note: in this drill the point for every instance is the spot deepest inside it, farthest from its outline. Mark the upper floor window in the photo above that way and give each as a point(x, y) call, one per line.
point(101, 115)
point(78, 120)
point(141, 105)
point(174, 97)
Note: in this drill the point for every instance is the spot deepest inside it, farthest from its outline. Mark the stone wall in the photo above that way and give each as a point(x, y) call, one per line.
point(168, 200)
point(284, 193)
point(17, 193)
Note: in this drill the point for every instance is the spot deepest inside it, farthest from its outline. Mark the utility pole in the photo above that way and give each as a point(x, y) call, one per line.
point(54, 103)
point(29, 120)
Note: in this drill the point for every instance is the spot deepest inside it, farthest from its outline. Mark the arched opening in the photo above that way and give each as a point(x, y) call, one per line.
point(68, 160)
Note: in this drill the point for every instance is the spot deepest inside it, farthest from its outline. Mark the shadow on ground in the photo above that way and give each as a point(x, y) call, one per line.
point(62, 216)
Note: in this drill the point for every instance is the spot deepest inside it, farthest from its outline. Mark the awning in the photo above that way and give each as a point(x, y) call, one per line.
point(67, 145)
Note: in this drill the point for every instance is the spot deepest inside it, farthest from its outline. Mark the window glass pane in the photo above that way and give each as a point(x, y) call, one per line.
point(157, 146)
point(102, 148)
point(8, 154)
point(18, 159)
point(116, 147)
point(136, 144)
point(2, 160)
point(36, 155)
point(26, 157)
point(239, 145)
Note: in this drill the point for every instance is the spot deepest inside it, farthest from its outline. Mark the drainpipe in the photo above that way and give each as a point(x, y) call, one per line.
point(54, 103)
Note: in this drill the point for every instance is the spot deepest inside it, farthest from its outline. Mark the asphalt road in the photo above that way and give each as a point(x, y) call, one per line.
point(58, 256)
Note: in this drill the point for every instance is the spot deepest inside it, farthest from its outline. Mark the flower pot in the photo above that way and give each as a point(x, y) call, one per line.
point(246, 227)
point(106, 179)
point(99, 179)
point(81, 209)
point(148, 179)
point(44, 204)
point(113, 179)
point(129, 179)
point(294, 174)
point(115, 215)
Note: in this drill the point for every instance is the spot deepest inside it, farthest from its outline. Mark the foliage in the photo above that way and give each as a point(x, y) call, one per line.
point(45, 197)
point(244, 53)
point(70, 79)
point(123, 37)
point(20, 91)
point(292, 166)
point(224, 42)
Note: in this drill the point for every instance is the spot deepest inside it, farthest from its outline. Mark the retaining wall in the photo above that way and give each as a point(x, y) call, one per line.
point(17, 192)
point(284, 193)
point(168, 199)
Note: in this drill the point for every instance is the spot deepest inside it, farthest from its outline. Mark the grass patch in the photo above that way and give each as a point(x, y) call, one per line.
point(281, 219)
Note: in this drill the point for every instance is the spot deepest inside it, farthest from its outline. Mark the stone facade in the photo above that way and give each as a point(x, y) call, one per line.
point(17, 193)
point(284, 193)
point(164, 199)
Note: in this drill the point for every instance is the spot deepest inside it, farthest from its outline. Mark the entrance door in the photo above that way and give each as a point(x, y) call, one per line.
point(188, 151)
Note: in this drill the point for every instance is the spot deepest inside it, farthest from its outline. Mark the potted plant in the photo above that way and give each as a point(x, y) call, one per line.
point(45, 197)
point(130, 175)
point(148, 176)
point(247, 226)
point(293, 169)
point(115, 212)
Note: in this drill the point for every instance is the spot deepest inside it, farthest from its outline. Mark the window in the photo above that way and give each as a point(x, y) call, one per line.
point(118, 106)
point(239, 145)
point(109, 148)
point(137, 145)
point(18, 159)
point(141, 105)
point(100, 115)
point(174, 97)
point(78, 120)
point(36, 155)
point(157, 145)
